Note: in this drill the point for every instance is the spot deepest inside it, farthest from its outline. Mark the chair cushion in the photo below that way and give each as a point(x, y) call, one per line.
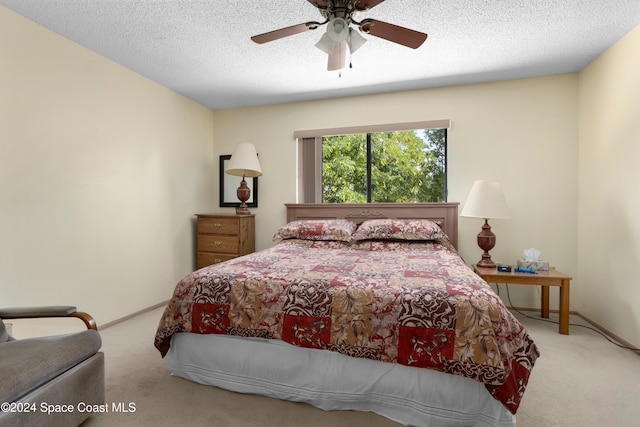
point(27, 364)
point(4, 336)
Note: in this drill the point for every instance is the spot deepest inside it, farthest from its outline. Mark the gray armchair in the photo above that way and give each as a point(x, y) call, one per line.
point(53, 380)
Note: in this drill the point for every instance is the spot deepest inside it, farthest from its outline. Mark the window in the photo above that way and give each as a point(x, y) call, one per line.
point(384, 166)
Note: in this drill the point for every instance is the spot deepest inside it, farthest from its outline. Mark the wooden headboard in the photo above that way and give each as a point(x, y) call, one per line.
point(444, 214)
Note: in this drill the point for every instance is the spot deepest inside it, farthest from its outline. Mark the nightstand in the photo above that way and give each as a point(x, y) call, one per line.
point(223, 237)
point(543, 279)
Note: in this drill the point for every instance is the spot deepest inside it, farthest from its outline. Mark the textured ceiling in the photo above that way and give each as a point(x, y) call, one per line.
point(202, 49)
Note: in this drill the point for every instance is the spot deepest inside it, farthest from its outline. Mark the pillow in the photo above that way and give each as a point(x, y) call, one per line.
point(398, 229)
point(317, 229)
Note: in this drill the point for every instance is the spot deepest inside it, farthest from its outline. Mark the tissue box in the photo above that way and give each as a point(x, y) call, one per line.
point(534, 265)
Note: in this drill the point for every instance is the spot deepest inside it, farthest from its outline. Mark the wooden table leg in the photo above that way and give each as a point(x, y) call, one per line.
point(544, 303)
point(564, 307)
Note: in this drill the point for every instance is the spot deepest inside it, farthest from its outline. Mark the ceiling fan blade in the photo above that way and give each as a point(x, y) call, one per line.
point(393, 33)
point(361, 5)
point(285, 32)
point(338, 56)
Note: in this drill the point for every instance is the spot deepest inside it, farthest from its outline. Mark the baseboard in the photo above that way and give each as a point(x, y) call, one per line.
point(591, 322)
point(608, 332)
point(129, 316)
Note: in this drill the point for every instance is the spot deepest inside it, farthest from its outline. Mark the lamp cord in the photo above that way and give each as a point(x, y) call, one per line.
point(556, 323)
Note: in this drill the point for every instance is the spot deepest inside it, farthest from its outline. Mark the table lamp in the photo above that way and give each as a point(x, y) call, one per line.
point(244, 162)
point(486, 201)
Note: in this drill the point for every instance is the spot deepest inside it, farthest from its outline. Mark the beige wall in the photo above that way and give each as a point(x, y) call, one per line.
point(522, 133)
point(609, 207)
point(101, 171)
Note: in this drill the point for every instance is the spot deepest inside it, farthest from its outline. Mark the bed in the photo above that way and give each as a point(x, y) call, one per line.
point(360, 307)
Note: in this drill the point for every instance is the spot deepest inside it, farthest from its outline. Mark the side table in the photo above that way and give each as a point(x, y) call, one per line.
point(543, 279)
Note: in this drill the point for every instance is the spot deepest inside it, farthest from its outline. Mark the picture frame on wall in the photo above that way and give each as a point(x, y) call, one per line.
point(230, 183)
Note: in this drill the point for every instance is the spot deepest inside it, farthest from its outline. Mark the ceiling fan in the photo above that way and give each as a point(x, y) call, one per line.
point(339, 15)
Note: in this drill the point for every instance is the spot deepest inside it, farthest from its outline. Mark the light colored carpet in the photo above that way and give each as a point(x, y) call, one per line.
point(580, 380)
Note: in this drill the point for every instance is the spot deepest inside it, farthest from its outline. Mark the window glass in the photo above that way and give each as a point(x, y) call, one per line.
point(344, 169)
point(401, 166)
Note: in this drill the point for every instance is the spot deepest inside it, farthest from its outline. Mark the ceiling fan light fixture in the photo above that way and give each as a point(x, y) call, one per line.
point(338, 30)
point(325, 44)
point(355, 40)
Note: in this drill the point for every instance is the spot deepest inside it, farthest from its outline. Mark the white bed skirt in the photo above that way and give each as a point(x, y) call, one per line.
point(332, 381)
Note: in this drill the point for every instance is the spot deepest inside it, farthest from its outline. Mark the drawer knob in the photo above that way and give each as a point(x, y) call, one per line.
point(217, 243)
point(217, 260)
point(217, 225)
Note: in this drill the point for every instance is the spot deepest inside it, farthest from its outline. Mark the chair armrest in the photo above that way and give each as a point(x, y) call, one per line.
point(48, 311)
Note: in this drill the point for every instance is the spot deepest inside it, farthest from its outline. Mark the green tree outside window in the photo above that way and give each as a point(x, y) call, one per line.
point(405, 166)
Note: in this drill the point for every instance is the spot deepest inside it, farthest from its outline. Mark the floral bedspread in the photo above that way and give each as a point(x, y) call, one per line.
point(413, 303)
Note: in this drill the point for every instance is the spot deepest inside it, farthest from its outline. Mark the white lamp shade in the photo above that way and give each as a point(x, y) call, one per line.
point(244, 161)
point(486, 200)
point(355, 40)
point(325, 44)
point(338, 30)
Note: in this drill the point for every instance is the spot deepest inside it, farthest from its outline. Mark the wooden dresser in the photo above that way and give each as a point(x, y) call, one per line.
point(222, 237)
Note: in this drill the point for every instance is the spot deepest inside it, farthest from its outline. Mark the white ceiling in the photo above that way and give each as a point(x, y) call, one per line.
point(202, 48)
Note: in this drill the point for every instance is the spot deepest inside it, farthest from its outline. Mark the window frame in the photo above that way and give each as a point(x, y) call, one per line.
point(309, 144)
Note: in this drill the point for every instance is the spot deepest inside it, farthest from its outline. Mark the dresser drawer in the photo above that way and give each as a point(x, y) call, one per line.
point(218, 225)
point(223, 237)
point(214, 243)
point(208, 258)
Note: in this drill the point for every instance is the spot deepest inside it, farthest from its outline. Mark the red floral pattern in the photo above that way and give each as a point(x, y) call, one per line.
point(414, 303)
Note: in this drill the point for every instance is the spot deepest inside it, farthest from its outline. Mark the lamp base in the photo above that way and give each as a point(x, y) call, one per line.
point(243, 210)
point(243, 192)
point(486, 242)
point(486, 262)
